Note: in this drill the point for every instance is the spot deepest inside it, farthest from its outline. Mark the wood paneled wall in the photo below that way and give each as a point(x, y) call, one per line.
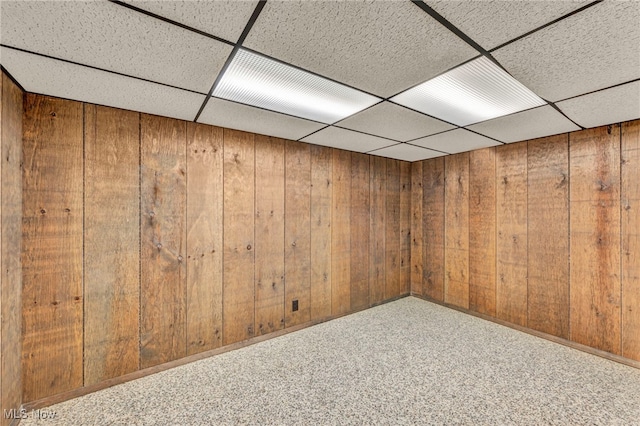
point(148, 239)
point(10, 235)
point(548, 231)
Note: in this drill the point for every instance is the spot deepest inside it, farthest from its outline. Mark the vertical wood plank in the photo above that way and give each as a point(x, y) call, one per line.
point(630, 193)
point(341, 233)
point(359, 231)
point(456, 230)
point(297, 233)
point(392, 230)
point(321, 211)
point(433, 228)
point(405, 227)
point(204, 237)
point(548, 235)
point(163, 144)
point(111, 243)
point(269, 237)
point(377, 257)
point(239, 260)
point(52, 247)
point(482, 231)
point(595, 237)
point(416, 228)
point(511, 243)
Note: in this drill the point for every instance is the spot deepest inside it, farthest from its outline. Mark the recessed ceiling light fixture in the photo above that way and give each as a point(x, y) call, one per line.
point(476, 91)
point(256, 80)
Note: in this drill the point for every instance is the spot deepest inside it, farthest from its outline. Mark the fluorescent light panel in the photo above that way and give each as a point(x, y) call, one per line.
point(260, 81)
point(476, 91)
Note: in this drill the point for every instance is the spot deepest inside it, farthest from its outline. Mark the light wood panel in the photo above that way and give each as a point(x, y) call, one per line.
point(405, 227)
point(392, 229)
point(341, 233)
point(511, 243)
point(163, 230)
point(416, 228)
point(111, 242)
point(630, 193)
point(548, 235)
point(595, 238)
point(456, 230)
point(433, 228)
point(359, 249)
point(378, 212)
point(52, 247)
point(297, 258)
point(269, 237)
point(204, 237)
point(482, 231)
point(321, 212)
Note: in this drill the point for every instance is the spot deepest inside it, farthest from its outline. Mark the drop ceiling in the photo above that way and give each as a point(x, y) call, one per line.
point(581, 59)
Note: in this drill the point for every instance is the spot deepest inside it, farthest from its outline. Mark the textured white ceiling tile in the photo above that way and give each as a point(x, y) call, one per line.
point(590, 50)
point(222, 18)
point(394, 122)
point(220, 112)
point(458, 140)
point(494, 22)
point(61, 79)
point(530, 124)
point(609, 106)
point(347, 139)
point(381, 47)
point(112, 37)
point(406, 152)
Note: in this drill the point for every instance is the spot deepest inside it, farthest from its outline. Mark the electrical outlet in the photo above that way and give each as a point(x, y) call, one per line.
point(294, 305)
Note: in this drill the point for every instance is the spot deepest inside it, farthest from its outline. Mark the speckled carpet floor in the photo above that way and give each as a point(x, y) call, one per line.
point(405, 362)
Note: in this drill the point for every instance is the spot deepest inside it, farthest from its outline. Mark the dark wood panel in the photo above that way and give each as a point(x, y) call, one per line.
point(511, 243)
point(163, 230)
point(405, 227)
point(111, 243)
point(204, 237)
point(377, 257)
point(270, 220)
point(595, 237)
point(630, 193)
point(548, 235)
point(341, 233)
point(416, 228)
point(359, 231)
point(297, 249)
point(456, 230)
point(482, 231)
point(52, 247)
point(239, 260)
point(321, 211)
point(392, 230)
point(433, 228)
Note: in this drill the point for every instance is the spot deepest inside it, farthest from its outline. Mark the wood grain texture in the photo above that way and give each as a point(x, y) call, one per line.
point(416, 228)
point(511, 242)
point(204, 237)
point(163, 237)
point(270, 220)
point(595, 238)
point(52, 247)
point(456, 230)
point(341, 233)
point(378, 212)
point(630, 193)
point(11, 237)
point(548, 235)
point(359, 231)
point(111, 243)
point(239, 260)
point(297, 249)
point(433, 228)
point(482, 231)
point(392, 230)
point(405, 227)
point(321, 212)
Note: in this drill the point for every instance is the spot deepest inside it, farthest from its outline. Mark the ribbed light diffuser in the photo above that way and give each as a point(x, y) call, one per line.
point(260, 81)
point(476, 91)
